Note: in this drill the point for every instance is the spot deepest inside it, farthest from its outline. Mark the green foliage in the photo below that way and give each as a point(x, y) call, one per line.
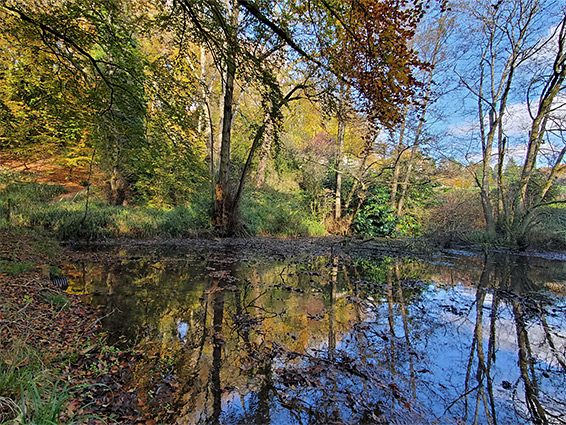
point(376, 217)
point(18, 366)
point(69, 223)
point(31, 395)
point(41, 405)
point(482, 239)
point(57, 301)
point(169, 172)
point(15, 268)
point(20, 195)
point(274, 213)
point(30, 205)
point(21, 191)
point(511, 186)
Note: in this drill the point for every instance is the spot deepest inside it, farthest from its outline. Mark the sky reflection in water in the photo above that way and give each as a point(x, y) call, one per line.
point(341, 340)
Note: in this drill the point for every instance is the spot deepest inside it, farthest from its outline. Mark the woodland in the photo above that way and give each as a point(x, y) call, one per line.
point(234, 128)
point(381, 118)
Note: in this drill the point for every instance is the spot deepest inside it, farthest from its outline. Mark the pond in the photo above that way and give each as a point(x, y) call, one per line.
point(233, 336)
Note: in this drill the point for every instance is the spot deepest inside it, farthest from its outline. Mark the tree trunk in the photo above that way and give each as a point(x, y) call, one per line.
point(339, 158)
point(265, 154)
point(223, 195)
point(405, 183)
point(222, 189)
point(398, 153)
point(487, 149)
point(358, 179)
point(233, 216)
point(116, 187)
point(523, 207)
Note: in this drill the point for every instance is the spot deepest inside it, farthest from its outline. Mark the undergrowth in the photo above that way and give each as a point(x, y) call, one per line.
point(270, 213)
point(27, 204)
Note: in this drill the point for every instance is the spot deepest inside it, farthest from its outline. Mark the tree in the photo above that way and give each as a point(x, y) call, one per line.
point(514, 37)
point(45, 107)
point(96, 48)
point(373, 51)
point(544, 111)
point(431, 41)
point(136, 113)
point(240, 48)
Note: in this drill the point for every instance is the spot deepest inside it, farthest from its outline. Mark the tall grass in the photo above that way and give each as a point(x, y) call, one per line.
point(549, 231)
point(21, 375)
point(20, 195)
point(29, 204)
point(18, 366)
point(68, 221)
point(31, 395)
point(270, 212)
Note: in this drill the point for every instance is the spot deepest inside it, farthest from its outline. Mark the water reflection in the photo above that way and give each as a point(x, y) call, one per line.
point(333, 340)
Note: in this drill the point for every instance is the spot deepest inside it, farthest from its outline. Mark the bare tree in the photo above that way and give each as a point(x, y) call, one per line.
point(431, 42)
point(508, 38)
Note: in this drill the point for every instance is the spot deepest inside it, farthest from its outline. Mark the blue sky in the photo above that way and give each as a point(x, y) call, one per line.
point(459, 125)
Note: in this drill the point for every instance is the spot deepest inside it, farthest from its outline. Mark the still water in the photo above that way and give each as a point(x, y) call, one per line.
point(334, 338)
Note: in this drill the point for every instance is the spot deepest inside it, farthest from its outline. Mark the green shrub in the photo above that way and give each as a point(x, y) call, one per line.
point(376, 218)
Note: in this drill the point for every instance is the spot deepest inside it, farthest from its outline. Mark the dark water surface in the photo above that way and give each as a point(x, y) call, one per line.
point(332, 339)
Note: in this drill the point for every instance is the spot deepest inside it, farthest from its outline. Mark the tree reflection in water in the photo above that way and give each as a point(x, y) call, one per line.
point(332, 340)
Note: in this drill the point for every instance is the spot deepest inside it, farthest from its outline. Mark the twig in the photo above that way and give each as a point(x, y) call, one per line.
point(100, 319)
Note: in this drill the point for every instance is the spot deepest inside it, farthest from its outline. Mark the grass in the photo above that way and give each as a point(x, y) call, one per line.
point(31, 392)
point(550, 230)
point(15, 268)
point(18, 365)
point(43, 405)
point(58, 301)
point(271, 213)
point(30, 396)
point(27, 204)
